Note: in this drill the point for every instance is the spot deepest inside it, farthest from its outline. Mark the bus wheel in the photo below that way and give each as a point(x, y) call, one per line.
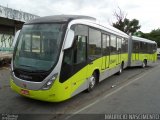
point(144, 64)
point(120, 69)
point(92, 82)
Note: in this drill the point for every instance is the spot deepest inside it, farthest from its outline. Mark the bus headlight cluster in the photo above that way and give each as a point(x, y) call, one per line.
point(50, 82)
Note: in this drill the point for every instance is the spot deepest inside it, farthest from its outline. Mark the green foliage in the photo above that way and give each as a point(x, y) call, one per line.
point(127, 26)
point(153, 35)
point(130, 27)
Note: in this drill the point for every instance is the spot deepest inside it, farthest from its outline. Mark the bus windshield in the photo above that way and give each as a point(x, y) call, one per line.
point(38, 47)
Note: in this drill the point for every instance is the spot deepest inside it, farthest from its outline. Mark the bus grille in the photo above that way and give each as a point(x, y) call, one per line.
point(29, 76)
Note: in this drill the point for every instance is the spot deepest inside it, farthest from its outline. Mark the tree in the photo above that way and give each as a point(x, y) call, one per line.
point(139, 34)
point(153, 35)
point(124, 24)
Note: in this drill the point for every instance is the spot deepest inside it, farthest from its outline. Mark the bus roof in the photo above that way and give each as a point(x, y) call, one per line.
point(107, 26)
point(97, 24)
point(59, 18)
point(143, 40)
point(81, 19)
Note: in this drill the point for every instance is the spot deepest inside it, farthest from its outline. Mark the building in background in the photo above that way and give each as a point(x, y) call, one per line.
point(10, 22)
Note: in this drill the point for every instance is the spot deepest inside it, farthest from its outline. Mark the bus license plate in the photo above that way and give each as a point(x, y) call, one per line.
point(24, 92)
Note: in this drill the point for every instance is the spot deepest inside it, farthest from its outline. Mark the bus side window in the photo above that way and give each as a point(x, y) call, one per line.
point(124, 45)
point(80, 49)
point(154, 48)
point(135, 46)
point(94, 45)
point(119, 45)
point(113, 49)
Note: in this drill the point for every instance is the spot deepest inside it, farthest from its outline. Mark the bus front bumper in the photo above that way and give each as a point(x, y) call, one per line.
point(43, 95)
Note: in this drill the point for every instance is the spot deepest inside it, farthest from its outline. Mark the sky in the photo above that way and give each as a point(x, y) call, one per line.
point(146, 11)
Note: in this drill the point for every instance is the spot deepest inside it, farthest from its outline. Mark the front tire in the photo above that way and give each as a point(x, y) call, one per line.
point(92, 82)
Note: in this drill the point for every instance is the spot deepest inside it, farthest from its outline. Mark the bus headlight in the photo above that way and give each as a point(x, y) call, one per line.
point(50, 82)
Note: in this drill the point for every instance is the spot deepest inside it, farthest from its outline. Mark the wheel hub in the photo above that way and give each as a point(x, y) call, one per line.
point(92, 82)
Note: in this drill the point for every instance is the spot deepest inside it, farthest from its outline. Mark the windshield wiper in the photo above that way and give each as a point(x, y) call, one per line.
point(40, 71)
point(34, 69)
point(27, 66)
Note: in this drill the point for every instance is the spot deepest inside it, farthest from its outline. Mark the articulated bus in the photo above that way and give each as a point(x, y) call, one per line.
point(142, 52)
point(57, 57)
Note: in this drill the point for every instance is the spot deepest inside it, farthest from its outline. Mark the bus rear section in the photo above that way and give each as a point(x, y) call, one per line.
point(142, 52)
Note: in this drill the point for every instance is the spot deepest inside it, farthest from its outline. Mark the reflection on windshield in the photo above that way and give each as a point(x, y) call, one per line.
point(38, 46)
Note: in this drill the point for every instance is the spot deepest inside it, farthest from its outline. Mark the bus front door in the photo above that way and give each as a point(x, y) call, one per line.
point(80, 61)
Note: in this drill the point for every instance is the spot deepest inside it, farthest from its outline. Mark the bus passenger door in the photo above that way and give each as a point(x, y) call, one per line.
point(137, 51)
point(105, 52)
point(108, 52)
point(79, 62)
point(135, 54)
point(119, 45)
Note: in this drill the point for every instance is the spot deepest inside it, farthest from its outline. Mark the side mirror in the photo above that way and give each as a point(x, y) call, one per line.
point(69, 39)
point(15, 38)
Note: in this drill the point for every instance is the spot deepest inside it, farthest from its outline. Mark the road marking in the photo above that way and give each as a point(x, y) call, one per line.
point(111, 93)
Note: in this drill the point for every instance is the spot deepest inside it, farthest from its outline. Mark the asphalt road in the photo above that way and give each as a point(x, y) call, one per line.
point(138, 96)
point(136, 90)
